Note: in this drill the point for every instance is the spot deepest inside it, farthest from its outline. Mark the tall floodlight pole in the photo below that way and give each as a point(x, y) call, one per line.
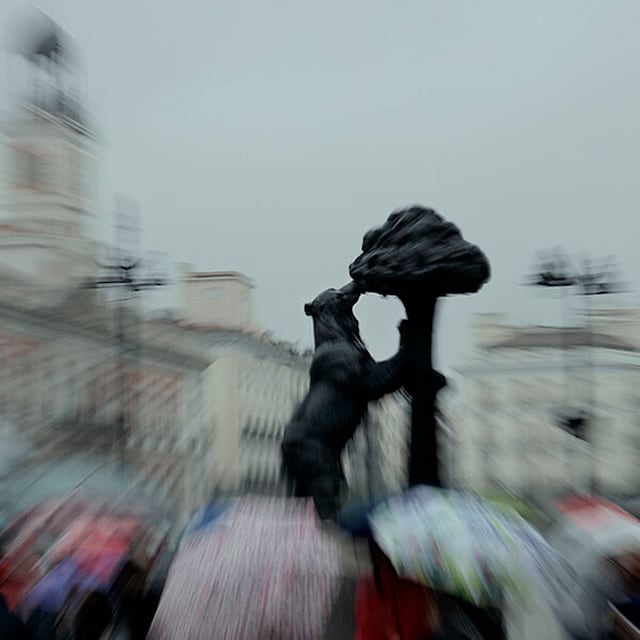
point(121, 271)
point(595, 282)
point(554, 270)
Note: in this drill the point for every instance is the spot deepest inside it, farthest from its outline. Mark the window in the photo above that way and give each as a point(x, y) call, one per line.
point(213, 293)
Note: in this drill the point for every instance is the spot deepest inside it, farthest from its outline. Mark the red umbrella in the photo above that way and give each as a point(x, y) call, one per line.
point(265, 570)
point(98, 536)
point(100, 545)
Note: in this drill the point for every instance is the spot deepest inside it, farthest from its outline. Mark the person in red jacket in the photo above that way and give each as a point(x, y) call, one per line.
point(388, 607)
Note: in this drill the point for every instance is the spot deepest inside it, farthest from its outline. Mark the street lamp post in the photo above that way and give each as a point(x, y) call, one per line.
point(121, 272)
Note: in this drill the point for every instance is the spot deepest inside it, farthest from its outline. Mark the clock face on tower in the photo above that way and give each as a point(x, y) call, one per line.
point(54, 168)
point(45, 243)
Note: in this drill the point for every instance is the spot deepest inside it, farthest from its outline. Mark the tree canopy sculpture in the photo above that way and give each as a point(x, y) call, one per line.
point(419, 257)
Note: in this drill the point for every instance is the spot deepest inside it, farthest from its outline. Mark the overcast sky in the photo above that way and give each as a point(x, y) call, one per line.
point(268, 136)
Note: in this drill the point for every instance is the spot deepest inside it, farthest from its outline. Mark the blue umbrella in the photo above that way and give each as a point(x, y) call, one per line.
point(207, 516)
point(354, 516)
point(50, 593)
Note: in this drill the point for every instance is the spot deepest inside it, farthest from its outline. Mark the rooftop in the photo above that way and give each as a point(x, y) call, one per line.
point(559, 338)
point(259, 342)
point(219, 275)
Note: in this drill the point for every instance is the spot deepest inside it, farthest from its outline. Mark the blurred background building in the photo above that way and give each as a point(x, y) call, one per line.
point(216, 299)
point(256, 384)
point(539, 410)
point(50, 151)
point(181, 407)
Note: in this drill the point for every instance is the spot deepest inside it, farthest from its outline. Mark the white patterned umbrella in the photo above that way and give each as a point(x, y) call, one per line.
point(265, 570)
point(458, 543)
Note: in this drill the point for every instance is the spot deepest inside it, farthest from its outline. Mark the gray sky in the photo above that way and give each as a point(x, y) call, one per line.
point(267, 137)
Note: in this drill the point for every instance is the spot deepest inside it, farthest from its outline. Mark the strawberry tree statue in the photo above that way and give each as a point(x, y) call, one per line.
point(420, 257)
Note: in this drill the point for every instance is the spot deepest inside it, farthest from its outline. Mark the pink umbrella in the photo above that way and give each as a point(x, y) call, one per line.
point(265, 570)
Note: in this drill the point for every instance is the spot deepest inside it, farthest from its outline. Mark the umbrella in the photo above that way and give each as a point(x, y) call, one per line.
point(460, 544)
point(74, 541)
point(206, 516)
point(588, 532)
point(354, 516)
point(266, 570)
point(51, 593)
point(597, 525)
point(13, 447)
point(84, 473)
point(633, 506)
point(503, 499)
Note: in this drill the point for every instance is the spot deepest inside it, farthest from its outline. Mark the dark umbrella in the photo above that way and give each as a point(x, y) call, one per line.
point(418, 257)
point(83, 474)
point(354, 516)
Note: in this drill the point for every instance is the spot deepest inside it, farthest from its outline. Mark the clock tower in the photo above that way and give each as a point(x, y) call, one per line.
point(45, 240)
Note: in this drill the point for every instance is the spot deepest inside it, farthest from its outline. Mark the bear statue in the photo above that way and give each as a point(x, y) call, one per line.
point(343, 379)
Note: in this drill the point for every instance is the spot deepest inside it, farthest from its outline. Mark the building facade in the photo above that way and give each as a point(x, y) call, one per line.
point(67, 388)
point(71, 382)
point(216, 299)
point(257, 383)
point(539, 411)
point(48, 191)
point(191, 406)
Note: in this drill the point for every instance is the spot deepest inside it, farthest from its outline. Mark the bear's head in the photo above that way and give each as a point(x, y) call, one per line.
point(332, 313)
